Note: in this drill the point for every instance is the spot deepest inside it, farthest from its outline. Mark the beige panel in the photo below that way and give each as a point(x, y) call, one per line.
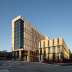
point(46, 43)
point(46, 56)
point(66, 54)
point(50, 42)
point(42, 44)
point(50, 56)
point(56, 49)
point(46, 50)
point(60, 48)
point(51, 49)
point(42, 50)
point(60, 41)
point(39, 44)
point(55, 42)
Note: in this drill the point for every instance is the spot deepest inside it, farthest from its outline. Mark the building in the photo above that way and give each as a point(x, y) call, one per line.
point(53, 50)
point(4, 55)
point(25, 39)
point(30, 45)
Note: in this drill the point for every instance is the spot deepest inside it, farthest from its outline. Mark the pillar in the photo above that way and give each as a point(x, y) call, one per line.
point(40, 58)
point(19, 54)
point(28, 56)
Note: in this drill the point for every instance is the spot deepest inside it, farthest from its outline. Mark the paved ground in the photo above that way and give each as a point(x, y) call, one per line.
point(18, 66)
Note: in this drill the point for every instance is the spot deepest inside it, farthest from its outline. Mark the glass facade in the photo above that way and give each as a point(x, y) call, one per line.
point(19, 34)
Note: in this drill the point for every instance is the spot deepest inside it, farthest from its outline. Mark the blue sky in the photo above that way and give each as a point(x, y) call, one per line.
point(52, 17)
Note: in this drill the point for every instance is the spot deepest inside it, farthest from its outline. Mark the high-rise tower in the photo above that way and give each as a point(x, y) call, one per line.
point(25, 39)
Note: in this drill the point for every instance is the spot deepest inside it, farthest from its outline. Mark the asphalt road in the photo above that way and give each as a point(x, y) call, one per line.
point(19, 66)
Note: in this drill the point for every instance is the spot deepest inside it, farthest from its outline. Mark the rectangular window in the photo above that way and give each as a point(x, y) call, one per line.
point(19, 34)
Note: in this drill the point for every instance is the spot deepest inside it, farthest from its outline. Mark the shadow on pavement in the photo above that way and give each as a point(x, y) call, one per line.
point(67, 64)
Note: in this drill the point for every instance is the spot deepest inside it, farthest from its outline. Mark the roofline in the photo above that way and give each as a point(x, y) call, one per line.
point(17, 17)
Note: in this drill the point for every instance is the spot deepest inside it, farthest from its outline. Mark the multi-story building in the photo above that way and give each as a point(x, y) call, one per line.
point(53, 50)
point(25, 39)
point(30, 45)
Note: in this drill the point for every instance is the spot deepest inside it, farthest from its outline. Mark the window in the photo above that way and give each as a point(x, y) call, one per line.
point(40, 51)
point(19, 34)
point(48, 49)
point(53, 49)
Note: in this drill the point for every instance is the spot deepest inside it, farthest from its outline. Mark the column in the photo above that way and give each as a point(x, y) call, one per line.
point(19, 54)
point(28, 56)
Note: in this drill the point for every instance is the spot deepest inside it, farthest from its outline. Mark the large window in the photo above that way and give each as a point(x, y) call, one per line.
point(19, 34)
